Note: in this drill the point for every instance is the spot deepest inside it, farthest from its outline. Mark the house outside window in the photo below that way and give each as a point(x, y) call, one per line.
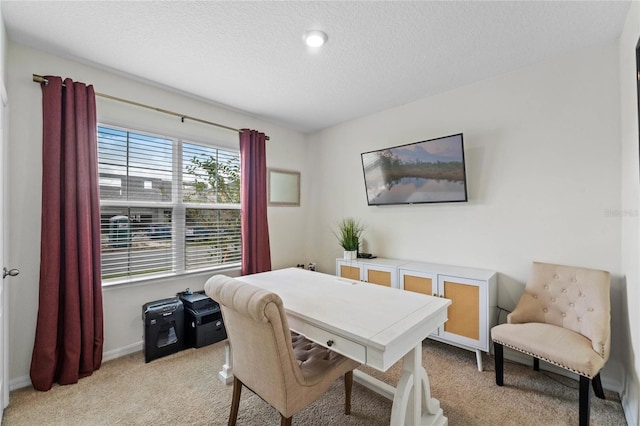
point(167, 206)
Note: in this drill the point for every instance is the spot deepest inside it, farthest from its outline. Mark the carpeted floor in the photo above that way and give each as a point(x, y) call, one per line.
point(184, 389)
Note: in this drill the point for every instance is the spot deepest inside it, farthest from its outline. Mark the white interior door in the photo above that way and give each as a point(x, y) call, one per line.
point(4, 297)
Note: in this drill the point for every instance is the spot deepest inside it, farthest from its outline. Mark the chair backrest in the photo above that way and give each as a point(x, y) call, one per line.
point(257, 327)
point(570, 297)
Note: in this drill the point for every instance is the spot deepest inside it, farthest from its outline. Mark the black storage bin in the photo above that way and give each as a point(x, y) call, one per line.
point(163, 328)
point(203, 320)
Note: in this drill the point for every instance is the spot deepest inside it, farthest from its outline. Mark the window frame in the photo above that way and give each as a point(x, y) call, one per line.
point(178, 207)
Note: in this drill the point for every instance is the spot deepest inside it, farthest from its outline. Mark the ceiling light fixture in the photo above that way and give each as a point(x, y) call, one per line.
point(315, 38)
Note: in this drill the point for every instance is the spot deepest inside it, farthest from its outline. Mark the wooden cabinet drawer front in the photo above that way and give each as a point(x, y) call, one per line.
point(339, 344)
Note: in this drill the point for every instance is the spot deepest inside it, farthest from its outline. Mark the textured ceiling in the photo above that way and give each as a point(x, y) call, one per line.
point(250, 55)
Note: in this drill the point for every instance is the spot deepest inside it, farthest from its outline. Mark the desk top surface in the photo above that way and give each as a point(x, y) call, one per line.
point(367, 313)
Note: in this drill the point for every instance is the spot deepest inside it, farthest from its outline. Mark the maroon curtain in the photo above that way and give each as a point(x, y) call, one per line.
point(256, 255)
point(69, 330)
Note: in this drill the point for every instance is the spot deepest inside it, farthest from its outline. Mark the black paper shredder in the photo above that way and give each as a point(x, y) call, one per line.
point(163, 328)
point(202, 320)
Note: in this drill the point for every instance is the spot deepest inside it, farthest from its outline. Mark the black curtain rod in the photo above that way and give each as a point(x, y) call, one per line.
point(40, 79)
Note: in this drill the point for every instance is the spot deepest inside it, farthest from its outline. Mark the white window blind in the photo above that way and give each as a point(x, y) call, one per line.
point(167, 206)
point(211, 194)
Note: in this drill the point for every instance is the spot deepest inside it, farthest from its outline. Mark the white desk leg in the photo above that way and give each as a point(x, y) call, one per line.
point(479, 359)
point(226, 374)
point(413, 404)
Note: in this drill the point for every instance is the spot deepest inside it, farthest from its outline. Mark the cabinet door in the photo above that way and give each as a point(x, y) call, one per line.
point(468, 320)
point(419, 282)
point(381, 275)
point(349, 270)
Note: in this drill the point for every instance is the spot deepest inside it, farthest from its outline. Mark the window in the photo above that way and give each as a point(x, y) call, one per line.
point(166, 205)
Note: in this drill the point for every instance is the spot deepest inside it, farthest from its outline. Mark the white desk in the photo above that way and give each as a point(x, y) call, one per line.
point(372, 324)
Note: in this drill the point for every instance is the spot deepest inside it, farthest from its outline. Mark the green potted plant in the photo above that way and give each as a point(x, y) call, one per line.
point(348, 234)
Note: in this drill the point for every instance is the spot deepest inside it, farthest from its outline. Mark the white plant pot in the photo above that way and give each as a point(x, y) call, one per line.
point(350, 255)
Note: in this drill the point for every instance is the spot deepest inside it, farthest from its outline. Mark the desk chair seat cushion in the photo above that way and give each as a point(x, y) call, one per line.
point(556, 345)
point(264, 359)
point(314, 359)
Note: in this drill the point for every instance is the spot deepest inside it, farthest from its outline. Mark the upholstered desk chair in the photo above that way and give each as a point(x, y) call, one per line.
point(288, 373)
point(563, 318)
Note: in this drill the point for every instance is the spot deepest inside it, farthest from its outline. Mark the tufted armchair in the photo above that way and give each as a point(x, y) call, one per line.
point(563, 318)
point(288, 372)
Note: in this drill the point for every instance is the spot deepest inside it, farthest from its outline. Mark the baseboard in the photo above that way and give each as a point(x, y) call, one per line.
point(628, 411)
point(19, 383)
point(125, 350)
point(24, 381)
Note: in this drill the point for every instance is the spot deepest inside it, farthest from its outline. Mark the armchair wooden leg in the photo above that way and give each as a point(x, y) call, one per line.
point(235, 401)
point(285, 421)
point(597, 386)
point(499, 361)
point(348, 385)
point(536, 364)
point(585, 401)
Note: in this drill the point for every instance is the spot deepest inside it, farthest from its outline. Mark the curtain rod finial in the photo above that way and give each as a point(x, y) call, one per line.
point(40, 79)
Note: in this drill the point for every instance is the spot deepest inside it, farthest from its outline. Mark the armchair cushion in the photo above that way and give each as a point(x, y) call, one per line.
point(556, 345)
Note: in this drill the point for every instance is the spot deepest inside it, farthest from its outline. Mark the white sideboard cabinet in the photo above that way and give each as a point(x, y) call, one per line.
point(473, 293)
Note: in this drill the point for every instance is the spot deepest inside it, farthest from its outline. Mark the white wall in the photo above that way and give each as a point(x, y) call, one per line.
point(122, 304)
point(630, 212)
point(543, 165)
